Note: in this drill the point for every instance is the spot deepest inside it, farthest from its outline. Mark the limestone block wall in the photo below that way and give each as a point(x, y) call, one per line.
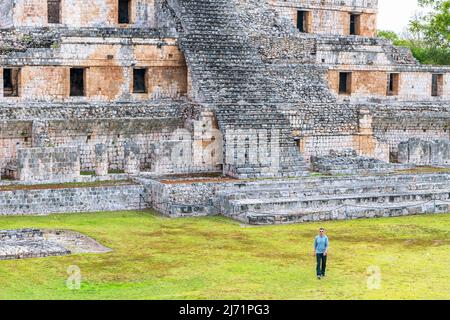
point(44, 164)
point(166, 145)
point(189, 199)
point(164, 148)
point(354, 51)
point(13, 135)
point(45, 73)
point(68, 200)
point(397, 123)
point(76, 13)
point(395, 136)
point(6, 19)
point(287, 48)
point(363, 83)
point(421, 152)
point(331, 17)
point(322, 145)
point(369, 5)
point(368, 146)
point(417, 86)
point(368, 84)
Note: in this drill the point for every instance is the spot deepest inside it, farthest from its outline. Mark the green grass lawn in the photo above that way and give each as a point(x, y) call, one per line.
point(216, 258)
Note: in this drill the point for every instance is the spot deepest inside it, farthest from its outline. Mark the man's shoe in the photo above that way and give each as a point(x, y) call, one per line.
point(318, 277)
point(323, 275)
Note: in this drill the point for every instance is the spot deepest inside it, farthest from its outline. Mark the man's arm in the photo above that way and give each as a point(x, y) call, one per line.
point(326, 246)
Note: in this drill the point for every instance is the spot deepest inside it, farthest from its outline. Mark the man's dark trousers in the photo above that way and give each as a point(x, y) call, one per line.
point(321, 264)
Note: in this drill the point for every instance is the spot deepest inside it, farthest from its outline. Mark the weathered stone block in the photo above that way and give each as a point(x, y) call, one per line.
point(43, 164)
point(101, 159)
point(131, 157)
point(423, 152)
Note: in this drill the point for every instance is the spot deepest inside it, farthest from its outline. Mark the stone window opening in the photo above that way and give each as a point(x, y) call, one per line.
point(139, 80)
point(54, 11)
point(437, 83)
point(393, 84)
point(124, 11)
point(77, 82)
point(11, 82)
point(345, 83)
point(302, 21)
point(355, 24)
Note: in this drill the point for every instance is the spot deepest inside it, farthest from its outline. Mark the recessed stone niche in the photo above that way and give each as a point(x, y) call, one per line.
point(36, 243)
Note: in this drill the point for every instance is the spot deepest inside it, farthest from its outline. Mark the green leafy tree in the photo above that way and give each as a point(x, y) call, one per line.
point(428, 36)
point(435, 25)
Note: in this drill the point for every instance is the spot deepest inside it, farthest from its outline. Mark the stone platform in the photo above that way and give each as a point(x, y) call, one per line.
point(27, 243)
point(35, 243)
point(273, 201)
point(338, 163)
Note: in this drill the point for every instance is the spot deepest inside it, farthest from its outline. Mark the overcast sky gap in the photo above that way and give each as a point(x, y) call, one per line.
point(395, 14)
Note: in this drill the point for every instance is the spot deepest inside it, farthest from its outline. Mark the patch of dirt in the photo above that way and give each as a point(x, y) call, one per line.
point(97, 184)
point(196, 178)
point(198, 181)
point(424, 169)
point(74, 241)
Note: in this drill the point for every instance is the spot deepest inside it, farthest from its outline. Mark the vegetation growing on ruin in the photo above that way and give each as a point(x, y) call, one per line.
point(423, 52)
point(155, 257)
point(428, 35)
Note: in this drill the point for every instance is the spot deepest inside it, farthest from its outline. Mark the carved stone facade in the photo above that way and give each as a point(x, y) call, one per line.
point(252, 88)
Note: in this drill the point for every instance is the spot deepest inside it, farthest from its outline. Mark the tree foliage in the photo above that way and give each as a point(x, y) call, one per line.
point(428, 36)
point(435, 25)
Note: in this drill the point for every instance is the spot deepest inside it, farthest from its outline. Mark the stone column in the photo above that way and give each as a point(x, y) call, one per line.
point(101, 159)
point(131, 157)
point(40, 134)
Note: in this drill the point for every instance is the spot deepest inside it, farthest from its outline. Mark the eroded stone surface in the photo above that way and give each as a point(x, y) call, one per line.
point(35, 243)
point(348, 162)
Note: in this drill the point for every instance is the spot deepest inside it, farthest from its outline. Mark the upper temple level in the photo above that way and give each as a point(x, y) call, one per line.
point(77, 13)
point(339, 17)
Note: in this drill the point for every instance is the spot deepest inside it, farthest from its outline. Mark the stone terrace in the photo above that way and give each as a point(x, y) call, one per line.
point(339, 198)
point(273, 201)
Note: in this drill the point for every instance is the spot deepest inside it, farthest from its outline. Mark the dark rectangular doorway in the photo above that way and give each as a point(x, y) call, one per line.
point(54, 11)
point(124, 11)
point(11, 82)
point(302, 21)
point(139, 80)
point(77, 82)
point(345, 81)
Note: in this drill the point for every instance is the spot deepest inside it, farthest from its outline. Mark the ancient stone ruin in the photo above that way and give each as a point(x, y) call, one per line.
point(35, 243)
point(260, 91)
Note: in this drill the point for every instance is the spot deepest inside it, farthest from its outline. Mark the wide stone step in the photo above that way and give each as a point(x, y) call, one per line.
point(297, 192)
point(347, 213)
point(324, 203)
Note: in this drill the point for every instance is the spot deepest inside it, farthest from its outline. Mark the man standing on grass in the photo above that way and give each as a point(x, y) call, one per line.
point(321, 251)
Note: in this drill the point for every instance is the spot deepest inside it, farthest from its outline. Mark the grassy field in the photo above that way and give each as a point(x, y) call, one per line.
point(216, 258)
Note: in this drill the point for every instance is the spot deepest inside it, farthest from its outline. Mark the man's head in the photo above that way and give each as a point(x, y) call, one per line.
point(321, 231)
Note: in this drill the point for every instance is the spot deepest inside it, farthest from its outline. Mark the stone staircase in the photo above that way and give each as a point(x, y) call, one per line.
point(260, 133)
point(304, 200)
point(224, 67)
point(229, 77)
